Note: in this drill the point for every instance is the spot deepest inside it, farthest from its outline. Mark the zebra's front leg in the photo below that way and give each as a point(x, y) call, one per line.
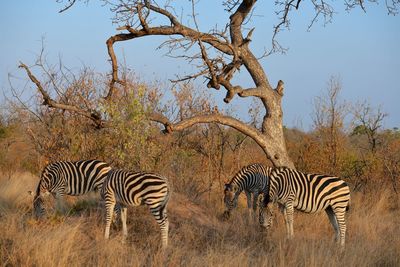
point(288, 211)
point(249, 211)
point(109, 215)
point(60, 205)
point(255, 200)
point(123, 219)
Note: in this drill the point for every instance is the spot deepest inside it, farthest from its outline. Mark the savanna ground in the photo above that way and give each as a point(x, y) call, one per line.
point(197, 235)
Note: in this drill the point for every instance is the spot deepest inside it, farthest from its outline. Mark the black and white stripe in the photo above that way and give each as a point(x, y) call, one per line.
point(126, 188)
point(309, 193)
point(253, 180)
point(69, 178)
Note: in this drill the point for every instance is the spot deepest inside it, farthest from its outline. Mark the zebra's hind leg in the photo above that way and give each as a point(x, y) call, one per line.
point(340, 218)
point(332, 219)
point(161, 217)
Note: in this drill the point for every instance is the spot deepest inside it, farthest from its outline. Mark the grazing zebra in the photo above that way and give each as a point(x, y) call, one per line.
point(308, 193)
point(253, 180)
point(69, 178)
point(133, 189)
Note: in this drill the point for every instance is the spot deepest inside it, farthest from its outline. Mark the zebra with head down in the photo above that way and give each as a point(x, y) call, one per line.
point(253, 180)
point(68, 178)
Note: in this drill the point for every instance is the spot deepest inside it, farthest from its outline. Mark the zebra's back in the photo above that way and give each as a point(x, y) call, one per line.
point(77, 177)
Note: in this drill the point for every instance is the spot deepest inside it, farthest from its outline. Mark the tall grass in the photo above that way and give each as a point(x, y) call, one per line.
point(197, 236)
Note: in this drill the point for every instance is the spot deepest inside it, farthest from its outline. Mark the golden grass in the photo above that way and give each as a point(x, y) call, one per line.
point(197, 237)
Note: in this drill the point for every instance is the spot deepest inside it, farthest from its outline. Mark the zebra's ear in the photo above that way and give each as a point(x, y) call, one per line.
point(235, 188)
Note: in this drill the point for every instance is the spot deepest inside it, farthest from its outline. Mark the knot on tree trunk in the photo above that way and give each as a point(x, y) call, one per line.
point(168, 128)
point(279, 87)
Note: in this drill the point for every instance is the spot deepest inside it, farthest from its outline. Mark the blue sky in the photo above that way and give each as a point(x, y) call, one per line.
point(362, 48)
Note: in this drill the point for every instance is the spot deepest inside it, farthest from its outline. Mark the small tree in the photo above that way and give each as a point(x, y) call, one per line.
point(328, 117)
point(369, 122)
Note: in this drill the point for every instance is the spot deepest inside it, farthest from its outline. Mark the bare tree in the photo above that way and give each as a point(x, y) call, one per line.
point(218, 54)
point(369, 123)
point(329, 114)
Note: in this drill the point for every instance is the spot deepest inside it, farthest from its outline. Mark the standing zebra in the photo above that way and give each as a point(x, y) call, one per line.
point(308, 193)
point(133, 189)
point(253, 180)
point(69, 178)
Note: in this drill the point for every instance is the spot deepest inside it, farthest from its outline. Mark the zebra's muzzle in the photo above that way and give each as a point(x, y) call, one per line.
point(226, 215)
point(38, 208)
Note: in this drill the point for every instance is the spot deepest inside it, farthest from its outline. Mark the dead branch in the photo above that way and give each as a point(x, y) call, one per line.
point(48, 101)
point(67, 6)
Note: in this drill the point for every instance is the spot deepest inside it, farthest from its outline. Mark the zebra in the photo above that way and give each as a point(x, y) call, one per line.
point(308, 193)
point(253, 180)
point(68, 178)
point(125, 188)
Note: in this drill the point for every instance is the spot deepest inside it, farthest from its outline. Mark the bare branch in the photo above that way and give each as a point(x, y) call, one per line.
point(212, 118)
point(213, 82)
point(48, 101)
point(189, 77)
point(67, 6)
point(237, 20)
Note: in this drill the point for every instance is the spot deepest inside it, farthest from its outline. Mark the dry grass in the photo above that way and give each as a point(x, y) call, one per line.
point(197, 237)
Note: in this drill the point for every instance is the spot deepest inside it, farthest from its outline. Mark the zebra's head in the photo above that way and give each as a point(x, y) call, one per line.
point(265, 216)
point(230, 199)
point(43, 189)
point(38, 207)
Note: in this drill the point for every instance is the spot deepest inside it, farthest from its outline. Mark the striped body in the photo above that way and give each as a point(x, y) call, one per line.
point(253, 180)
point(133, 189)
point(309, 193)
point(69, 178)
